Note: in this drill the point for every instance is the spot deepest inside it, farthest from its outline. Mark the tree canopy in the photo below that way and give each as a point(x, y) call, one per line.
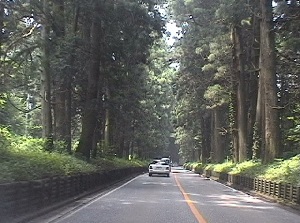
point(98, 78)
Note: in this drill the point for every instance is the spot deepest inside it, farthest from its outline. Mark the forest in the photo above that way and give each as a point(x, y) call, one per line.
point(87, 84)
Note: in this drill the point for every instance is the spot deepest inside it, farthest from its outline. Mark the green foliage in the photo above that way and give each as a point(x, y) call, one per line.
point(224, 167)
point(231, 11)
point(24, 164)
point(209, 166)
point(194, 166)
point(204, 57)
point(199, 167)
point(5, 137)
point(141, 85)
point(287, 47)
point(188, 165)
point(207, 68)
point(285, 171)
point(153, 118)
point(116, 163)
point(216, 95)
point(10, 116)
point(248, 168)
point(23, 158)
point(2, 99)
point(292, 133)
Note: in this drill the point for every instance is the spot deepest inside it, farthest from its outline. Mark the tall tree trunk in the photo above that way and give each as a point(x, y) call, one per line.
point(90, 112)
point(234, 118)
point(126, 150)
point(121, 144)
point(259, 126)
point(108, 124)
point(46, 83)
point(206, 132)
point(60, 89)
point(94, 149)
point(253, 87)
point(217, 142)
point(63, 83)
point(238, 67)
point(69, 74)
point(267, 70)
point(99, 132)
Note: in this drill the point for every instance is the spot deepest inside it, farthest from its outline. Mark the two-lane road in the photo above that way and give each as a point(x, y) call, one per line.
point(184, 197)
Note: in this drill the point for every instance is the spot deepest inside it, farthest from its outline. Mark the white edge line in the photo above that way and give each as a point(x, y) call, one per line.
point(97, 199)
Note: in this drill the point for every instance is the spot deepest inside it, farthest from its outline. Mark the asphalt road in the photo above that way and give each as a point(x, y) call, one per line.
point(184, 197)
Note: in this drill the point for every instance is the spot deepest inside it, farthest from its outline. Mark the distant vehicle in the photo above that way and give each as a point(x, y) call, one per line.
point(166, 160)
point(160, 167)
point(155, 161)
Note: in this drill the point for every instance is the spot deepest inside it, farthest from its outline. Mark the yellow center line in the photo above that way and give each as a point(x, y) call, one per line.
point(190, 202)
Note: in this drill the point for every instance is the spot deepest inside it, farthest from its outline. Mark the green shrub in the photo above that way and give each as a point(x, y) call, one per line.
point(23, 158)
point(284, 171)
point(188, 166)
point(24, 164)
point(223, 167)
point(248, 168)
point(199, 167)
point(209, 166)
point(116, 163)
point(5, 138)
point(192, 166)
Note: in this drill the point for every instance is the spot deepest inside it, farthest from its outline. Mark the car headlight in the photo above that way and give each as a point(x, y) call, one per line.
point(150, 167)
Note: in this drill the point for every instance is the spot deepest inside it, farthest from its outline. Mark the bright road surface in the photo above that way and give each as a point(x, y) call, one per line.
point(184, 197)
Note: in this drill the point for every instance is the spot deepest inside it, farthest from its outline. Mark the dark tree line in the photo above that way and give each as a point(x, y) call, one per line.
point(238, 79)
point(93, 78)
point(85, 66)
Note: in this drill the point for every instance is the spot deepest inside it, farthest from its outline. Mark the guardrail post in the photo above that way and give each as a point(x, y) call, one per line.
point(279, 190)
point(252, 183)
point(291, 192)
point(260, 183)
point(298, 195)
point(230, 178)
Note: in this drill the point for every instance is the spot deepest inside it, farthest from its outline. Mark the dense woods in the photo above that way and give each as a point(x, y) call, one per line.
point(84, 76)
point(238, 79)
point(98, 78)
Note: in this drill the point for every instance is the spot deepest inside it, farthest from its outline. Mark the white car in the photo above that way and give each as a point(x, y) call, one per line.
point(159, 168)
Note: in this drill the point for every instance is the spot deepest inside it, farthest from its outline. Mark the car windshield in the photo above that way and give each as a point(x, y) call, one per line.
point(154, 161)
point(166, 160)
point(162, 163)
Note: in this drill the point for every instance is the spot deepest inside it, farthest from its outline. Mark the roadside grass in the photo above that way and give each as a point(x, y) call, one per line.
point(30, 165)
point(110, 163)
point(285, 171)
point(23, 159)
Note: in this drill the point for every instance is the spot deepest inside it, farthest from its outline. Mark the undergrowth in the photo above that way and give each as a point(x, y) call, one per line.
point(285, 171)
point(23, 158)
